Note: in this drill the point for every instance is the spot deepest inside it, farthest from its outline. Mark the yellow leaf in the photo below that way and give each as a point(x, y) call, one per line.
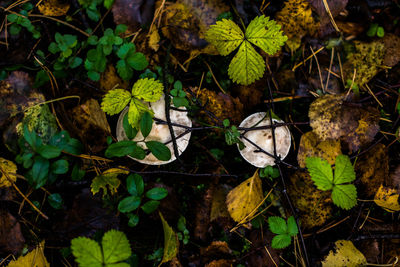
point(345, 255)
point(387, 198)
point(115, 101)
point(35, 258)
point(8, 170)
point(108, 180)
point(53, 7)
point(136, 110)
point(171, 242)
point(244, 198)
point(247, 65)
point(154, 39)
point(225, 35)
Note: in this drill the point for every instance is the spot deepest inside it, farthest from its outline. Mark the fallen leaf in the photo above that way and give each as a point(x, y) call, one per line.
point(372, 168)
point(108, 181)
point(388, 198)
point(312, 146)
point(345, 255)
point(244, 198)
point(132, 13)
point(220, 263)
point(216, 250)
point(109, 79)
point(35, 258)
point(261, 253)
point(218, 205)
point(154, 39)
point(11, 237)
point(8, 172)
point(392, 49)
point(171, 242)
point(202, 220)
point(366, 60)
point(315, 206)
point(53, 7)
point(297, 21)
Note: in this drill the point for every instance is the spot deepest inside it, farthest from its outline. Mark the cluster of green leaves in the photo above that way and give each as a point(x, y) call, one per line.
point(21, 20)
point(353, 86)
point(179, 96)
point(135, 186)
point(232, 134)
point(130, 60)
point(131, 148)
point(45, 161)
point(114, 250)
point(284, 230)
point(247, 65)
point(375, 30)
point(92, 7)
point(269, 172)
point(65, 45)
point(183, 233)
point(146, 89)
point(344, 195)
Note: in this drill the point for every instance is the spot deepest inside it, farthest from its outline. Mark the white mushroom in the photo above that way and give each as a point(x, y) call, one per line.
point(263, 139)
point(160, 132)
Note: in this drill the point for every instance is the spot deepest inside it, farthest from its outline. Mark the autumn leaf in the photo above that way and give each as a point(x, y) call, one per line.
point(34, 258)
point(8, 173)
point(171, 242)
point(344, 255)
point(108, 181)
point(244, 198)
point(53, 7)
point(387, 198)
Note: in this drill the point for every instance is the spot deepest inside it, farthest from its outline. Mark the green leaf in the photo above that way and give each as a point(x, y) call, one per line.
point(292, 226)
point(129, 204)
point(178, 85)
point(115, 101)
point(93, 75)
point(247, 65)
point(133, 219)
point(92, 40)
point(277, 225)
point(48, 151)
point(40, 171)
point(121, 28)
point(87, 252)
point(171, 242)
point(124, 49)
point(380, 32)
point(108, 3)
point(138, 153)
point(77, 173)
point(321, 172)
point(129, 130)
point(120, 149)
point(116, 247)
point(124, 70)
point(73, 147)
point(159, 150)
point(266, 34)
point(56, 201)
point(146, 123)
point(180, 102)
point(107, 182)
point(137, 61)
point(150, 206)
point(60, 166)
point(344, 171)
point(281, 241)
point(149, 90)
point(12, 17)
point(225, 35)
point(30, 137)
point(136, 109)
point(75, 62)
point(53, 48)
point(157, 193)
point(135, 184)
point(344, 196)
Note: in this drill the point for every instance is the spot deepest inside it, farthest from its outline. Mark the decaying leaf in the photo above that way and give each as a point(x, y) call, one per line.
point(388, 198)
point(132, 13)
point(16, 95)
point(154, 39)
point(11, 237)
point(345, 255)
point(35, 258)
point(333, 118)
point(244, 198)
point(218, 205)
point(8, 172)
point(392, 49)
point(109, 79)
point(222, 105)
point(171, 242)
point(373, 169)
point(53, 7)
point(312, 146)
point(108, 180)
point(315, 206)
point(297, 21)
point(366, 60)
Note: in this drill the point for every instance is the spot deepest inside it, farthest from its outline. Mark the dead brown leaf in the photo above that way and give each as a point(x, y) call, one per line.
point(218, 205)
point(109, 79)
point(220, 263)
point(392, 49)
point(133, 13)
point(11, 238)
point(53, 7)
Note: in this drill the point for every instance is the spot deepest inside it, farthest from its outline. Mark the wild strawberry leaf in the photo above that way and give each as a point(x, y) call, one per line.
point(344, 196)
point(225, 35)
point(149, 90)
point(321, 173)
point(115, 101)
point(344, 170)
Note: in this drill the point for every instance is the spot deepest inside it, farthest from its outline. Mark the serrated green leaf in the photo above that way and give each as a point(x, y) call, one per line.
point(40, 171)
point(124, 70)
point(157, 193)
point(124, 49)
point(292, 226)
point(320, 172)
point(115, 101)
point(149, 90)
point(136, 110)
point(344, 170)
point(266, 34)
point(225, 35)
point(247, 65)
point(344, 196)
point(137, 61)
point(281, 241)
point(116, 247)
point(277, 225)
point(87, 252)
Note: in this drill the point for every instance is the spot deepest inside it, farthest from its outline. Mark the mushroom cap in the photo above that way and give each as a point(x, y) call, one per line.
point(160, 132)
point(263, 138)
